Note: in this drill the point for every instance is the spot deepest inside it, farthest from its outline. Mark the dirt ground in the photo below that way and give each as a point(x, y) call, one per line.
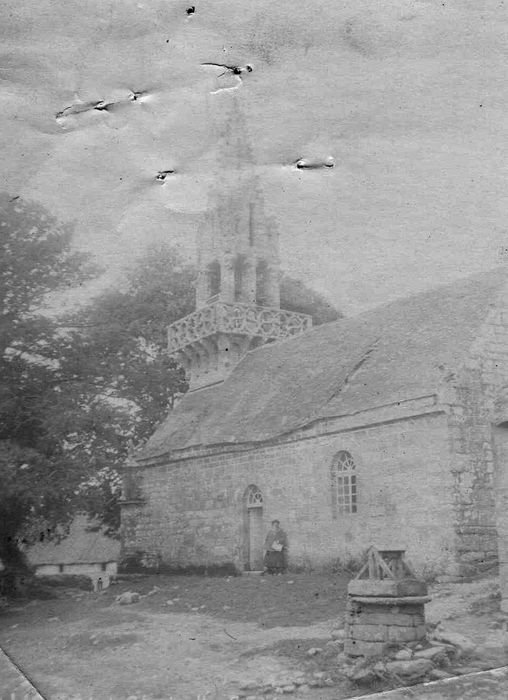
point(195, 638)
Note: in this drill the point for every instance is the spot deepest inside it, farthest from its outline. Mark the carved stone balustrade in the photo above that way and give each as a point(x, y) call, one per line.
point(261, 322)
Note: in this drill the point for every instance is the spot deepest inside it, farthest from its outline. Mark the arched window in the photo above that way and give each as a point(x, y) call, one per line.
point(343, 477)
point(262, 283)
point(253, 497)
point(213, 279)
point(238, 272)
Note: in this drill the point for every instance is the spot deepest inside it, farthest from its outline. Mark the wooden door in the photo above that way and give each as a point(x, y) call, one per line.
point(256, 538)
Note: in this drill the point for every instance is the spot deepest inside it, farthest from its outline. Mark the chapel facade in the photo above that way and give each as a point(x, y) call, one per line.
point(386, 428)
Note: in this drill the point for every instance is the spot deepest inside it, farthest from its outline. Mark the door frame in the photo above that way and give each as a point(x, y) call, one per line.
point(252, 500)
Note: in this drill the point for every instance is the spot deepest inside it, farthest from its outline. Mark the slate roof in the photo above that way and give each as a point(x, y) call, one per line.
point(391, 353)
point(79, 547)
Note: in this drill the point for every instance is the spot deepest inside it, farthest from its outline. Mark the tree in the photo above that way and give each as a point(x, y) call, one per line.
point(123, 333)
point(36, 258)
point(118, 352)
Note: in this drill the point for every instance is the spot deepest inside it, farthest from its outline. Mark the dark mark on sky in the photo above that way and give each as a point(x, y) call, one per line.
point(311, 164)
point(162, 174)
point(102, 105)
point(230, 71)
point(78, 108)
point(236, 70)
point(134, 96)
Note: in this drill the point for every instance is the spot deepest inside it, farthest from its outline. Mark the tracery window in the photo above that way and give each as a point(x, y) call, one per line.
point(343, 484)
point(254, 497)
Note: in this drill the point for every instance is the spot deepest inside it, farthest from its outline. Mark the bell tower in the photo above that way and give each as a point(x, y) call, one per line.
point(237, 291)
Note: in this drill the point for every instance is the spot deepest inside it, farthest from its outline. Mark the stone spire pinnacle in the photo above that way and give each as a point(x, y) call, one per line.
point(234, 149)
point(237, 294)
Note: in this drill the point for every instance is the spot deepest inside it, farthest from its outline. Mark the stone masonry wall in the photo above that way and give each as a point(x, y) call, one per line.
point(194, 511)
point(472, 395)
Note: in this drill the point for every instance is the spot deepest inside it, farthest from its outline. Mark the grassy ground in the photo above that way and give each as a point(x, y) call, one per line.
point(191, 638)
point(270, 601)
point(187, 635)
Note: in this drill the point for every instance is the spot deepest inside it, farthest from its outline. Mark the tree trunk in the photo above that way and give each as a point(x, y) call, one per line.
point(16, 571)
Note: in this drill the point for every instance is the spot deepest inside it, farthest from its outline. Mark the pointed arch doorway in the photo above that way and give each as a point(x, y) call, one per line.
point(253, 529)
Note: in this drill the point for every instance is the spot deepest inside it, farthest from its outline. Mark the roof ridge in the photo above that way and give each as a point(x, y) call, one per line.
point(430, 290)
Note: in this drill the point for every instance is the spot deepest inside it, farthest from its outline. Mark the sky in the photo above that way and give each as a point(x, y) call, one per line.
point(409, 98)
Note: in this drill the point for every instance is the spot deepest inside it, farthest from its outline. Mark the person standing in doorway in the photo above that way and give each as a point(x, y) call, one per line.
point(276, 545)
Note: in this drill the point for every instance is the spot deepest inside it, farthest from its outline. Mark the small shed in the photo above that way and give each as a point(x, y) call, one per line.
point(85, 552)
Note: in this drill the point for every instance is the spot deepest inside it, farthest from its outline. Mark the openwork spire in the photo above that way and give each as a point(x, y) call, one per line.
point(237, 294)
point(234, 149)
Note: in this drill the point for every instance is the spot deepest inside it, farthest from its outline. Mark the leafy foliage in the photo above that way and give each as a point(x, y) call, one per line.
point(123, 335)
point(36, 258)
point(118, 353)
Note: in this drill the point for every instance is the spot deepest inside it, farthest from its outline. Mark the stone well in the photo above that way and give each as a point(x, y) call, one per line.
point(385, 605)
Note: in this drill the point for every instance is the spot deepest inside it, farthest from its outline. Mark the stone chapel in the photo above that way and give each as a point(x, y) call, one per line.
point(380, 429)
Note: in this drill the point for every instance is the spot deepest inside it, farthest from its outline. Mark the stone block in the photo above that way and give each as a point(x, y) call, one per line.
point(437, 674)
point(403, 655)
point(402, 634)
point(387, 587)
point(387, 618)
point(368, 633)
point(371, 587)
point(413, 669)
point(338, 634)
point(357, 647)
point(435, 654)
point(464, 644)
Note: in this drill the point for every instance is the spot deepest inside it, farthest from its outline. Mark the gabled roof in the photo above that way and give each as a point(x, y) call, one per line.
point(391, 353)
point(80, 547)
